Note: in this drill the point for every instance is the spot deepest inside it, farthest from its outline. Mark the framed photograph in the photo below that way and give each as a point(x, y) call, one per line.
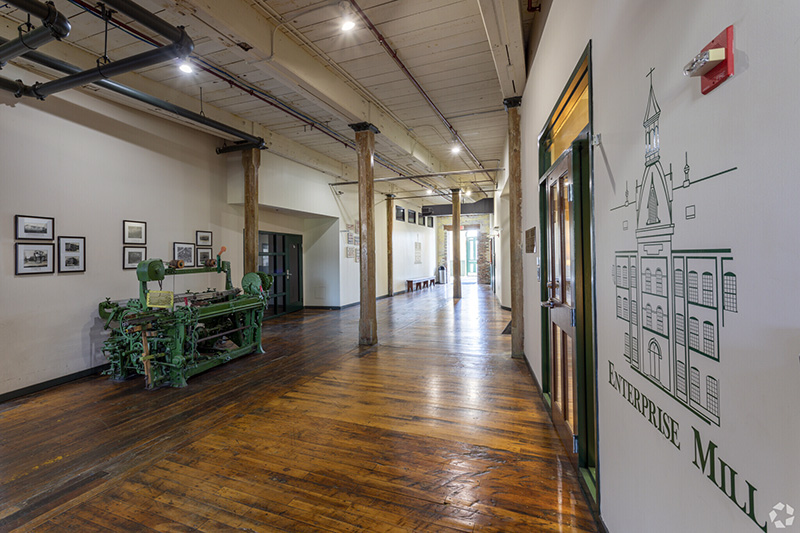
point(34, 228)
point(134, 232)
point(399, 213)
point(412, 216)
point(421, 220)
point(34, 258)
point(430, 222)
point(203, 238)
point(203, 255)
point(72, 254)
point(132, 256)
point(183, 251)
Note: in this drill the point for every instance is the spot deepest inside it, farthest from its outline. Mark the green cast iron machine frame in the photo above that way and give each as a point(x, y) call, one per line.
point(194, 332)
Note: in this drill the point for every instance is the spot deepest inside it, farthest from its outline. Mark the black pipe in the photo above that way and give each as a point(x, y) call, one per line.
point(239, 147)
point(54, 26)
point(16, 87)
point(66, 68)
point(147, 19)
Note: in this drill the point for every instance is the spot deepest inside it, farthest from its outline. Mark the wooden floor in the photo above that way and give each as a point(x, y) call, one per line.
point(434, 429)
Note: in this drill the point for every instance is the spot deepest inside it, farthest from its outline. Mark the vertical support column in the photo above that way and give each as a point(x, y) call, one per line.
point(389, 242)
point(515, 193)
point(456, 243)
point(365, 150)
point(251, 160)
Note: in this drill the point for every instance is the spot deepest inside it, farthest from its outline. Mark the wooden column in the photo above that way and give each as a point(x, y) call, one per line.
point(389, 244)
point(251, 160)
point(515, 192)
point(365, 150)
point(456, 243)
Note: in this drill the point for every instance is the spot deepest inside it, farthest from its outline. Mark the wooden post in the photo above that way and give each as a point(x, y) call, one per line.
point(456, 243)
point(389, 244)
point(515, 192)
point(251, 160)
point(365, 150)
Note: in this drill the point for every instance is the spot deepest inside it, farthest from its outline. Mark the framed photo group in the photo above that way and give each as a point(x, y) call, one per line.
point(41, 257)
point(134, 232)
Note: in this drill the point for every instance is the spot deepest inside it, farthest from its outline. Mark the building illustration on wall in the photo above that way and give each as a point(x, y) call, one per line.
point(672, 300)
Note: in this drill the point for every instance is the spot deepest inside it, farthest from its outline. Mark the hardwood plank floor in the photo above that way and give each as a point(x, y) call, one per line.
point(434, 429)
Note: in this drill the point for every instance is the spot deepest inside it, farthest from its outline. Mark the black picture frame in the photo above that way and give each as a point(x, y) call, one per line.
point(430, 222)
point(34, 258)
point(201, 261)
point(204, 238)
point(421, 219)
point(399, 213)
point(71, 254)
point(184, 251)
point(129, 262)
point(31, 228)
point(134, 232)
point(412, 216)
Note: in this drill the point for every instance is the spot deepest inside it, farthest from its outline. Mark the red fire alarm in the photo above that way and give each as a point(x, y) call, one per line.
point(714, 63)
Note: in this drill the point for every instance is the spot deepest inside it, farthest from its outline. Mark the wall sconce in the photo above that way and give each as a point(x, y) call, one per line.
point(714, 64)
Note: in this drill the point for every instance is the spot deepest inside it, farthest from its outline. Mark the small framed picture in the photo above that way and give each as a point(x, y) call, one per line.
point(421, 220)
point(430, 222)
point(132, 256)
point(34, 258)
point(399, 213)
point(183, 251)
point(412, 216)
point(203, 255)
point(34, 228)
point(134, 232)
point(72, 254)
point(203, 238)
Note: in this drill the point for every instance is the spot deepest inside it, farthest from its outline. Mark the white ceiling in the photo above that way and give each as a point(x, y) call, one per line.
point(443, 43)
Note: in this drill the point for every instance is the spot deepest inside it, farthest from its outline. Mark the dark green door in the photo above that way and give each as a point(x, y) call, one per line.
point(294, 273)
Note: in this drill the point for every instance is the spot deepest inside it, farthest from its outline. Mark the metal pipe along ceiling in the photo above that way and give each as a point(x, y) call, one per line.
point(181, 46)
point(62, 66)
point(54, 26)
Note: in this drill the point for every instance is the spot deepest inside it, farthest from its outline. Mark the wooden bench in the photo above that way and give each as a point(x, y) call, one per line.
point(419, 283)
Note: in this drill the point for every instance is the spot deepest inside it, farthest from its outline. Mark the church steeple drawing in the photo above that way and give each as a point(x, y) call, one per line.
point(652, 206)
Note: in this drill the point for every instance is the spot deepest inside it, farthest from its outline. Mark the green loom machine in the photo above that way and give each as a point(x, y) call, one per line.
point(169, 338)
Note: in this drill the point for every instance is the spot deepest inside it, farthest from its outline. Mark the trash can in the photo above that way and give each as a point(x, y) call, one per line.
point(442, 277)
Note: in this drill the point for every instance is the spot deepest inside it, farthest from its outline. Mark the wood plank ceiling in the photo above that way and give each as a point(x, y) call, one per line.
point(443, 43)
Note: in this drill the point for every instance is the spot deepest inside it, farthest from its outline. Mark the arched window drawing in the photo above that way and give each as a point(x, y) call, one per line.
point(729, 288)
point(659, 319)
point(625, 277)
point(712, 395)
point(648, 316)
point(625, 310)
point(659, 282)
point(693, 287)
point(648, 280)
point(679, 282)
point(619, 274)
point(695, 378)
point(694, 334)
point(656, 139)
point(655, 359)
point(634, 313)
point(680, 337)
point(627, 346)
point(635, 351)
point(708, 339)
point(681, 377)
point(652, 205)
point(708, 289)
point(619, 306)
point(633, 277)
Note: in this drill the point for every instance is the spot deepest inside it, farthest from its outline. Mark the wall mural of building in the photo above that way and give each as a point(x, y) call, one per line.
point(672, 300)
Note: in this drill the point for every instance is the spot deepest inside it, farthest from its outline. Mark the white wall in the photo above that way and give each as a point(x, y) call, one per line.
point(646, 481)
point(502, 206)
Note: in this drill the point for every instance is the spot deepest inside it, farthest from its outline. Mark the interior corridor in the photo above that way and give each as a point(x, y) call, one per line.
point(434, 429)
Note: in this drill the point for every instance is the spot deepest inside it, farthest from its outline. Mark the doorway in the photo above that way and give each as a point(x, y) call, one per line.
point(567, 293)
point(472, 253)
point(281, 256)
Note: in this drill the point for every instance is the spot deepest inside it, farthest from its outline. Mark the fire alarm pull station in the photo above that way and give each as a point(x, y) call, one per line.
point(714, 63)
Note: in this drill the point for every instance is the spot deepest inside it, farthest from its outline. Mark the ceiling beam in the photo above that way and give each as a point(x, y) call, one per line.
point(503, 23)
point(275, 142)
point(237, 21)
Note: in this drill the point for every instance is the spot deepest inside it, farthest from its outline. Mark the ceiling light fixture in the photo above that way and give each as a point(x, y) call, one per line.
point(348, 24)
point(186, 67)
point(468, 193)
point(456, 148)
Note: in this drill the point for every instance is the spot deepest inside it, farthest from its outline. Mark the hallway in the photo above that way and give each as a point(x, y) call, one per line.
point(434, 429)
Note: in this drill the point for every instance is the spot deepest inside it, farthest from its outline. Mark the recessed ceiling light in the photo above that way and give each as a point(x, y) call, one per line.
point(186, 67)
